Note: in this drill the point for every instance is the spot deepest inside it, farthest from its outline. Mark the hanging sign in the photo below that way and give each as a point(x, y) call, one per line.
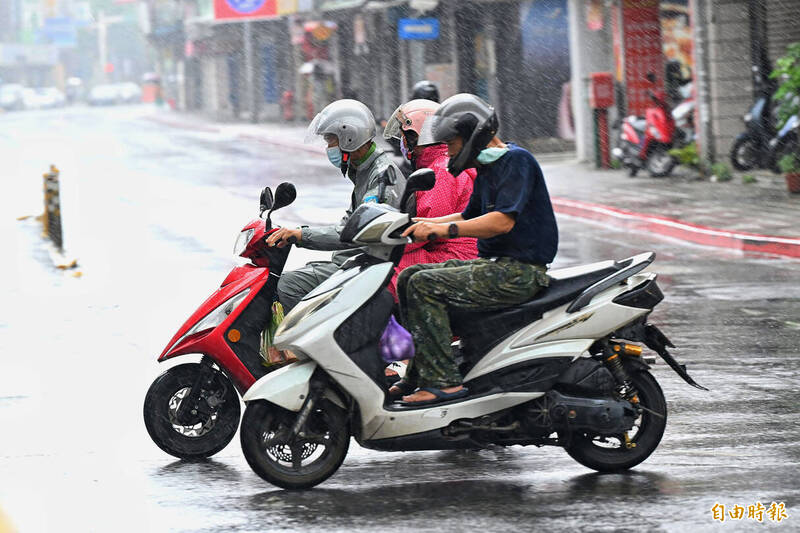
point(242, 9)
point(418, 29)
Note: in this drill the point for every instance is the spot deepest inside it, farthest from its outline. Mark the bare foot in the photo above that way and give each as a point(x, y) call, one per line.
point(424, 396)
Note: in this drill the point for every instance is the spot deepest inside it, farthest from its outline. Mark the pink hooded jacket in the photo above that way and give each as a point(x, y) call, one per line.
point(449, 195)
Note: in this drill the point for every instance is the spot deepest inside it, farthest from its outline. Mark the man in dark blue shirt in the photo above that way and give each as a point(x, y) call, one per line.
point(510, 214)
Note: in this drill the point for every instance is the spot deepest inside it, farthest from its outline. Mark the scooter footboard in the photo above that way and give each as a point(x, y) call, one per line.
point(287, 387)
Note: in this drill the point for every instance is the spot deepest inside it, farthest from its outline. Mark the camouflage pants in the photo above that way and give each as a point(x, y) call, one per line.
point(428, 291)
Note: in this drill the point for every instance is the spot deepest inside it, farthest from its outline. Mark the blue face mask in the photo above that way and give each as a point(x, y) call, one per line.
point(490, 155)
point(335, 156)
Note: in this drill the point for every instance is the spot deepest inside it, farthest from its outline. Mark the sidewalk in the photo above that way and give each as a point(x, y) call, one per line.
point(759, 217)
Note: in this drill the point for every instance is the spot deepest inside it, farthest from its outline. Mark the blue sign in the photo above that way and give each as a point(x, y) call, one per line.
point(246, 6)
point(60, 31)
point(418, 29)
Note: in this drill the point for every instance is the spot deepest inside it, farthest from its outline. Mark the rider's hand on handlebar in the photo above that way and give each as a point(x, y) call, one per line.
point(426, 231)
point(284, 236)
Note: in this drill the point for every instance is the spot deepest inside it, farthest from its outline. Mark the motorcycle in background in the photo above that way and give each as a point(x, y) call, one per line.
point(192, 410)
point(751, 147)
point(645, 142)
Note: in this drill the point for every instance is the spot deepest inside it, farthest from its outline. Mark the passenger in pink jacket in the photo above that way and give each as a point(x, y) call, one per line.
point(449, 195)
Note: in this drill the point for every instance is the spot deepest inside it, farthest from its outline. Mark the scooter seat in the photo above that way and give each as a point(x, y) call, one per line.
point(480, 330)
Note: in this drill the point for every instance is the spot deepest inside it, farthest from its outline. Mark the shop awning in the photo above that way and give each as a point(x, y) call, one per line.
point(332, 5)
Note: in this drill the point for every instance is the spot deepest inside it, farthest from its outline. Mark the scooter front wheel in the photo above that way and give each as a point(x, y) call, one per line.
point(194, 435)
point(294, 461)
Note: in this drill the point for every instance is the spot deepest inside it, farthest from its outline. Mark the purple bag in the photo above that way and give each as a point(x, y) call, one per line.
point(396, 342)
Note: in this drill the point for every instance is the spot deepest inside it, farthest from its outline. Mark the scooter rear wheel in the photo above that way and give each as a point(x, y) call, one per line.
point(659, 162)
point(202, 436)
point(611, 454)
point(298, 463)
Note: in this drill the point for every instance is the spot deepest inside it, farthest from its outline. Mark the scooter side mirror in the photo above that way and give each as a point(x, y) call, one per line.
point(266, 199)
point(284, 195)
point(420, 180)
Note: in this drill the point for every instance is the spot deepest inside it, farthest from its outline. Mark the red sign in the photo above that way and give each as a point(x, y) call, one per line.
point(245, 9)
point(594, 15)
point(602, 93)
point(643, 49)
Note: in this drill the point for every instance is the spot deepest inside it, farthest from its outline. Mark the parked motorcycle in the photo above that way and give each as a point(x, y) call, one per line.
point(560, 370)
point(645, 142)
point(192, 410)
point(751, 148)
point(785, 142)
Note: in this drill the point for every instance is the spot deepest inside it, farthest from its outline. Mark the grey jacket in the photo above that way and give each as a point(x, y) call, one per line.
point(367, 178)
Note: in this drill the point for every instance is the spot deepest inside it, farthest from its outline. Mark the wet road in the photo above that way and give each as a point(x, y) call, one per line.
point(152, 213)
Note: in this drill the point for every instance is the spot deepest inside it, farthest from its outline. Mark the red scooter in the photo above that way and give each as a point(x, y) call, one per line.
point(192, 410)
point(645, 142)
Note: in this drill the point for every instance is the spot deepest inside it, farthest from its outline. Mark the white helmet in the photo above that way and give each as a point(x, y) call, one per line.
point(350, 120)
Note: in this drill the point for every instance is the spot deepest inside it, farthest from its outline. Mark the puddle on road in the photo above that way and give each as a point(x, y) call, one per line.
point(739, 292)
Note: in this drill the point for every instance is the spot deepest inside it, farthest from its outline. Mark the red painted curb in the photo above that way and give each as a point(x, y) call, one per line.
point(678, 229)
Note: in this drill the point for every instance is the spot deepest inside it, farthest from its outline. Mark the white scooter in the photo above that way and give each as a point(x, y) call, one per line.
point(558, 370)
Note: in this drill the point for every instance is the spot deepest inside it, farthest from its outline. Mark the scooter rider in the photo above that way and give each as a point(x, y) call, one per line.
point(425, 90)
point(511, 215)
point(348, 128)
point(449, 194)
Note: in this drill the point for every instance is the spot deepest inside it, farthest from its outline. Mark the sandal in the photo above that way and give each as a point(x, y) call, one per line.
point(440, 396)
point(401, 389)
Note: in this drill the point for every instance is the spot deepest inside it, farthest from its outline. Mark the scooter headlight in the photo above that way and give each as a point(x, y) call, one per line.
point(306, 308)
point(215, 317)
point(242, 240)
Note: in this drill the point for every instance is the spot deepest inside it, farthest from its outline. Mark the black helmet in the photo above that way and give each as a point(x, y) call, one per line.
point(469, 117)
point(425, 90)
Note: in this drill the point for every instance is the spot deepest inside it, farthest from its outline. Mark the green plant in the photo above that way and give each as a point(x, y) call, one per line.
point(787, 71)
point(616, 164)
point(722, 171)
point(687, 155)
point(790, 164)
point(748, 178)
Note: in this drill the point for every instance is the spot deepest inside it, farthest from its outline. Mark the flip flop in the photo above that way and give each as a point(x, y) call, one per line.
point(405, 388)
point(440, 396)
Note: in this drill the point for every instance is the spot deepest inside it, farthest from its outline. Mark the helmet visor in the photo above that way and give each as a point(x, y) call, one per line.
point(437, 129)
point(426, 132)
point(313, 135)
point(397, 122)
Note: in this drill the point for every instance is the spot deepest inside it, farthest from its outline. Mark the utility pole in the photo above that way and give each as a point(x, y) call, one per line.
point(250, 92)
point(102, 39)
point(705, 139)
